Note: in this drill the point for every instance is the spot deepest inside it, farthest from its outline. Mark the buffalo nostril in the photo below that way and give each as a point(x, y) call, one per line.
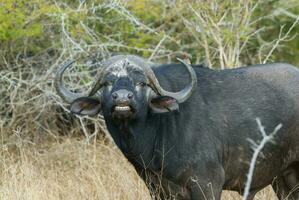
point(114, 95)
point(130, 95)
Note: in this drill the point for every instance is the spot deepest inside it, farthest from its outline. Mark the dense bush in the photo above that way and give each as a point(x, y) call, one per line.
point(21, 26)
point(210, 31)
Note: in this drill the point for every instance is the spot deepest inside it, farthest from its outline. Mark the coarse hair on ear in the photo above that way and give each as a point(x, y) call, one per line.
point(86, 106)
point(163, 104)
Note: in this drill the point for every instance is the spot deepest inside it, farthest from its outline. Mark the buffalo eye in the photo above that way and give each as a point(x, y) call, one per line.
point(142, 84)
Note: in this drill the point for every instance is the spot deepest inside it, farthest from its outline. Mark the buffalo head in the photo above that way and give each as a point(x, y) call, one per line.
point(125, 88)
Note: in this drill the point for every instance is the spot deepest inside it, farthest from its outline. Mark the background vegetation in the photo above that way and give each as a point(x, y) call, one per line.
point(46, 152)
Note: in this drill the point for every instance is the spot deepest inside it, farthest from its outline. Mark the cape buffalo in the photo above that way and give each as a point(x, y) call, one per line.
point(191, 124)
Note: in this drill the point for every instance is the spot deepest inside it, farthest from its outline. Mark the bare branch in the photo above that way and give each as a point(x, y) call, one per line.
point(257, 150)
point(281, 37)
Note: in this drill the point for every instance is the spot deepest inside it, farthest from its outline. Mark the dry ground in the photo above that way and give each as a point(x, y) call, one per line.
point(72, 169)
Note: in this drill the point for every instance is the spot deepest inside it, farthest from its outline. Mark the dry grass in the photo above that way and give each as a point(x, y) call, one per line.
point(70, 169)
point(265, 194)
point(73, 169)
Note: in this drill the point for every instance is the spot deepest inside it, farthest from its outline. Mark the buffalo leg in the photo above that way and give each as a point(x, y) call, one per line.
point(286, 185)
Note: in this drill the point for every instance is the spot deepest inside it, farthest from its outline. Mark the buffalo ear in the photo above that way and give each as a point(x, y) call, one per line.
point(162, 104)
point(86, 106)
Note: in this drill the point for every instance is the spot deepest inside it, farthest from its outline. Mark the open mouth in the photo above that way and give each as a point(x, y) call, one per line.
point(122, 108)
point(123, 112)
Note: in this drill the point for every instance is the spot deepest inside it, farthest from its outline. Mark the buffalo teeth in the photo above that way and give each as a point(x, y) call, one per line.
point(122, 108)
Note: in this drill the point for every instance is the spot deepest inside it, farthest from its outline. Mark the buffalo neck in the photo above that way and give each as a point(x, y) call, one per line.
point(144, 142)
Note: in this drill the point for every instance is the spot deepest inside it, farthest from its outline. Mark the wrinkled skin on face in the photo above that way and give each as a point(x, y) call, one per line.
point(132, 82)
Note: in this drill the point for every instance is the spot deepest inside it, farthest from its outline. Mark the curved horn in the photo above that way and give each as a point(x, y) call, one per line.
point(180, 96)
point(63, 92)
point(97, 84)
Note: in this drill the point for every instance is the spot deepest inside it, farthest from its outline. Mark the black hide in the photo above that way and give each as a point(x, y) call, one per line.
point(203, 147)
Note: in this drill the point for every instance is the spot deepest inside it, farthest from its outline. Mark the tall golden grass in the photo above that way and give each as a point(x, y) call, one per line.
point(70, 169)
point(74, 169)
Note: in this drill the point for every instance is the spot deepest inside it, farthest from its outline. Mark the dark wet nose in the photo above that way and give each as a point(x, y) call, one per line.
point(122, 96)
